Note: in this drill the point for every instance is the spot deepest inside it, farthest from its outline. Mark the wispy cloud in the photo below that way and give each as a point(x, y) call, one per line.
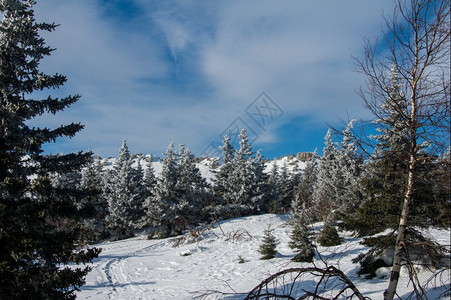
point(184, 70)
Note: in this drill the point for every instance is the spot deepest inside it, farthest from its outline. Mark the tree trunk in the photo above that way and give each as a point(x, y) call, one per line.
point(400, 240)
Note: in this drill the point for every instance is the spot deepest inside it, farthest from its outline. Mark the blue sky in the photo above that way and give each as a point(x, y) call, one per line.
point(188, 71)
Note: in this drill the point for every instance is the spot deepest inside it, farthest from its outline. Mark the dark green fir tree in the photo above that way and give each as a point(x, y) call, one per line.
point(38, 220)
point(300, 237)
point(328, 236)
point(269, 244)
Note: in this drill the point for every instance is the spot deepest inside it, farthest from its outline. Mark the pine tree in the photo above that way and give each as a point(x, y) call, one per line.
point(243, 180)
point(286, 188)
point(149, 177)
point(36, 247)
point(387, 176)
point(192, 187)
point(304, 190)
point(300, 239)
point(167, 207)
point(348, 174)
point(222, 180)
point(240, 185)
point(125, 195)
point(324, 192)
point(269, 244)
point(274, 198)
point(95, 225)
point(260, 189)
point(329, 234)
point(150, 182)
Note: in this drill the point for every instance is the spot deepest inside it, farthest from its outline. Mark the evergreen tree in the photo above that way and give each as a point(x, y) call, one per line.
point(260, 189)
point(304, 190)
point(348, 174)
point(95, 226)
point(324, 192)
point(125, 196)
point(386, 176)
point(222, 180)
point(150, 179)
point(36, 247)
point(329, 234)
point(166, 211)
point(300, 239)
point(150, 182)
point(274, 198)
point(192, 187)
point(386, 181)
point(269, 244)
point(286, 188)
point(240, 186)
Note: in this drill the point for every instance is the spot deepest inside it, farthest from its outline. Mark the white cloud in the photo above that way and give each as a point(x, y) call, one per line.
point(184, 70)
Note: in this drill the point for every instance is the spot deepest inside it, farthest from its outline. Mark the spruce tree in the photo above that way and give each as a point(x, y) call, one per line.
point(166, 210)
point(150, 182)
point(95, 225)
point(269, 244)
point(348, 174)
point(125, 195)
point(240, 185)
point(324, 192)
point(274, 198)
point(192, 187)
point(36, 247)
point(329, 235)
point(286, 188)
point(243, 179)
point(300, 237)
point(260, 189)
point(386, 175)
point(304, 190)
point(222, 180)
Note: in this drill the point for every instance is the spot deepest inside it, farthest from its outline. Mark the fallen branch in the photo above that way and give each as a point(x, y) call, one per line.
point(273, 286)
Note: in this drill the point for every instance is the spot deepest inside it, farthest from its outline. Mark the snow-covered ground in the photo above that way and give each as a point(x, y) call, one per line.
point(138, 268)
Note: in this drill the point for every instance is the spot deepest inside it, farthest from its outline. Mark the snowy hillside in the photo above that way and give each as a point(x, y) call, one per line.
point(293, 165)
point(223, 259)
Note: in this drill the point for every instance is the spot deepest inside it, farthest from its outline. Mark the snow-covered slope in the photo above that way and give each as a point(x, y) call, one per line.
point(157, 269)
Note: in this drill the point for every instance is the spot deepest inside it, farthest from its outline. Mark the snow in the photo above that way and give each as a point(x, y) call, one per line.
point(138, 268)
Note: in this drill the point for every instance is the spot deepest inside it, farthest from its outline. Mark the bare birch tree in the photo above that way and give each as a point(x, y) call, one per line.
point(416, 42)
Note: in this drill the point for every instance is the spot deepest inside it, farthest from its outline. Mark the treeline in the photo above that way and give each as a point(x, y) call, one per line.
point(125, 199)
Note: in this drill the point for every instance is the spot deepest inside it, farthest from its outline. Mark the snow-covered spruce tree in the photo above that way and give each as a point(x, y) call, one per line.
point(150, 180)
point(348, 175)
point(240, 185)
point(269, 244)
point(300, 237)
point(262, 191)
point(248, 180)
point(324, 192)
point(125, 196)
point(150, 183)
point(386, 181)
point(387, 173)
point(222, 180)
point(329, 235)
point(303, 194)
point(273, 196)
point(192, 187)
point(166, 211)
point(95, 226)
point(286, 188)
point(35, 245)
